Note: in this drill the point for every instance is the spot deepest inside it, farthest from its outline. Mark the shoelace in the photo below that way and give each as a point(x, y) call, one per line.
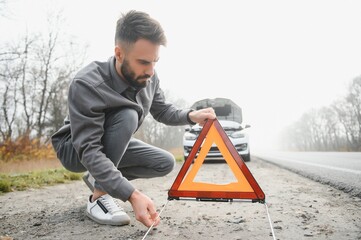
point(111, 205)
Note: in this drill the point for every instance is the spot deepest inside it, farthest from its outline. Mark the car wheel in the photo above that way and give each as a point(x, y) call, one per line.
point(246, 157)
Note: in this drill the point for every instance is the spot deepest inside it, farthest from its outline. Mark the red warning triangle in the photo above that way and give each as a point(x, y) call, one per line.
point(184, 186)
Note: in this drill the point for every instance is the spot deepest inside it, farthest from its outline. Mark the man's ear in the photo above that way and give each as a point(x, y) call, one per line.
point(119, 53)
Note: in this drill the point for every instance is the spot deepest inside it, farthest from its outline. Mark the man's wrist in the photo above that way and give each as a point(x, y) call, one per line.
point(133, 195)
point(189, 119)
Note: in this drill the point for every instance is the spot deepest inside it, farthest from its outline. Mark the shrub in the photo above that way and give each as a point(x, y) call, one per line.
point(5, 186)
point(24, 148)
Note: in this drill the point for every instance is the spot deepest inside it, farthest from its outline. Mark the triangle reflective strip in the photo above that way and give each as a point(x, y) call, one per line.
point(188, 182)
point(184, 185)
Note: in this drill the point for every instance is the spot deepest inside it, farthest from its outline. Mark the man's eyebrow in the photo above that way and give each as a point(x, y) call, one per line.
point(147, 61)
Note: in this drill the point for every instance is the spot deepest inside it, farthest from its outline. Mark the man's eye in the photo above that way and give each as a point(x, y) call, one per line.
point(144, 62)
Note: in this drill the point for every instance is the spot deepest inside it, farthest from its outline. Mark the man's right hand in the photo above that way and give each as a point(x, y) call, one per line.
point(200, 116)
point(144, 209)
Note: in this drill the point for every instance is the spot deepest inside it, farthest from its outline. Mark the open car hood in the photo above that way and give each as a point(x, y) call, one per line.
point(225, 108)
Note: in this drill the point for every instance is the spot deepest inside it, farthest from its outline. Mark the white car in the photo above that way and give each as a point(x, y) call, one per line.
point(229, 116)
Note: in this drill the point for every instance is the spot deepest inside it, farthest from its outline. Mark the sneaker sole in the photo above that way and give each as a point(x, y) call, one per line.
point(122, 222)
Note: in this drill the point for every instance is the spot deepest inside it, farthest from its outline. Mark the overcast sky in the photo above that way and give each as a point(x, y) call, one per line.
point(276, 59)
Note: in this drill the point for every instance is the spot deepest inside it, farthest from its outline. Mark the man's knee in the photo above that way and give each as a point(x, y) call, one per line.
point(124, 121)
point(69, 158)
point(168, 163)
point(77, 168)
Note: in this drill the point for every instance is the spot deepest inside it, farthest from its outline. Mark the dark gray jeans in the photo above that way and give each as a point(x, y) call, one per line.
point(132, 157)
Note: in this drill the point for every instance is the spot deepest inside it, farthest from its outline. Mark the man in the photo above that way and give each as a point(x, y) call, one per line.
point(108, 101)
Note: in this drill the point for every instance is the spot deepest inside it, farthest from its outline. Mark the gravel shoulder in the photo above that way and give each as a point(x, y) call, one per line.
point(299, 208)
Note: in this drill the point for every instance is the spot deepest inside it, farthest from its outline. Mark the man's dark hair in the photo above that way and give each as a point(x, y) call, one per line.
point(136, 25)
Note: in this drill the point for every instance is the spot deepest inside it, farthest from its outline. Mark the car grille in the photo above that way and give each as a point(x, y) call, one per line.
point(215, 150)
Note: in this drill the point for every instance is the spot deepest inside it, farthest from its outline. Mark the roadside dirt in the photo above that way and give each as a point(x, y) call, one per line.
point(299, 209)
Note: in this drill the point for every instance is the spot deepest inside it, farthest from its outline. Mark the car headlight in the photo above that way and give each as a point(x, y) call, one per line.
point(190, 136)
point(237, 134)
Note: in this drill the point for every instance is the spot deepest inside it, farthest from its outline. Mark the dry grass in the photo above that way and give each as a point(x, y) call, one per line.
point(25, 163)
point(35, 179)
point(23, 166)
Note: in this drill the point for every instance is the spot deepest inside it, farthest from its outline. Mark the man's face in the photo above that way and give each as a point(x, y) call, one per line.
point(138, 63)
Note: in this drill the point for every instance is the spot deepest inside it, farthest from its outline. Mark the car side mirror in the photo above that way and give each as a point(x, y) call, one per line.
point(247, 126)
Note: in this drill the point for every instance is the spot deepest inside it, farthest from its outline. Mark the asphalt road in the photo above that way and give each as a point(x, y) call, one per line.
point(300, 209)
point(341, 170)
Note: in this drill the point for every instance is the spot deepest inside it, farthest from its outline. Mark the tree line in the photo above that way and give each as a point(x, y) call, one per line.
point(34, 76)
point(35, 71)
point(332, 128)
point(36, 68)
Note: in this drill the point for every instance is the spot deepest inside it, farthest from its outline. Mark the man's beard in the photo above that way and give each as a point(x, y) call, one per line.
point(129, 76)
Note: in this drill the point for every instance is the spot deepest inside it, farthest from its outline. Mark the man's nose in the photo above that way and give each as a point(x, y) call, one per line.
point(150, 70)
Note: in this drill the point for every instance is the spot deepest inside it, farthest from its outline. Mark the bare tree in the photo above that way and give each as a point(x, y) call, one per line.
point(27, 99)
point(36, 72)
point(12, 68)
point(334, 128)
point(55, 61)
point(43, 76)
point(330, 130)
point(317, 130)
point(349, 114)
point(9, 101)
point(342, 109)
point(160, 135)
point(354, 99)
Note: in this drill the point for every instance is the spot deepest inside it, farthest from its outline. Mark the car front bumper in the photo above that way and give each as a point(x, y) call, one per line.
point(242, 148)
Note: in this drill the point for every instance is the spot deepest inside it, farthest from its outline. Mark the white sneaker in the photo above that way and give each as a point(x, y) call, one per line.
point(105, 210)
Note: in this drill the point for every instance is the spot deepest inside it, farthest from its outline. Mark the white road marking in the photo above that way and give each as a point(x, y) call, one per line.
point(313, 164)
